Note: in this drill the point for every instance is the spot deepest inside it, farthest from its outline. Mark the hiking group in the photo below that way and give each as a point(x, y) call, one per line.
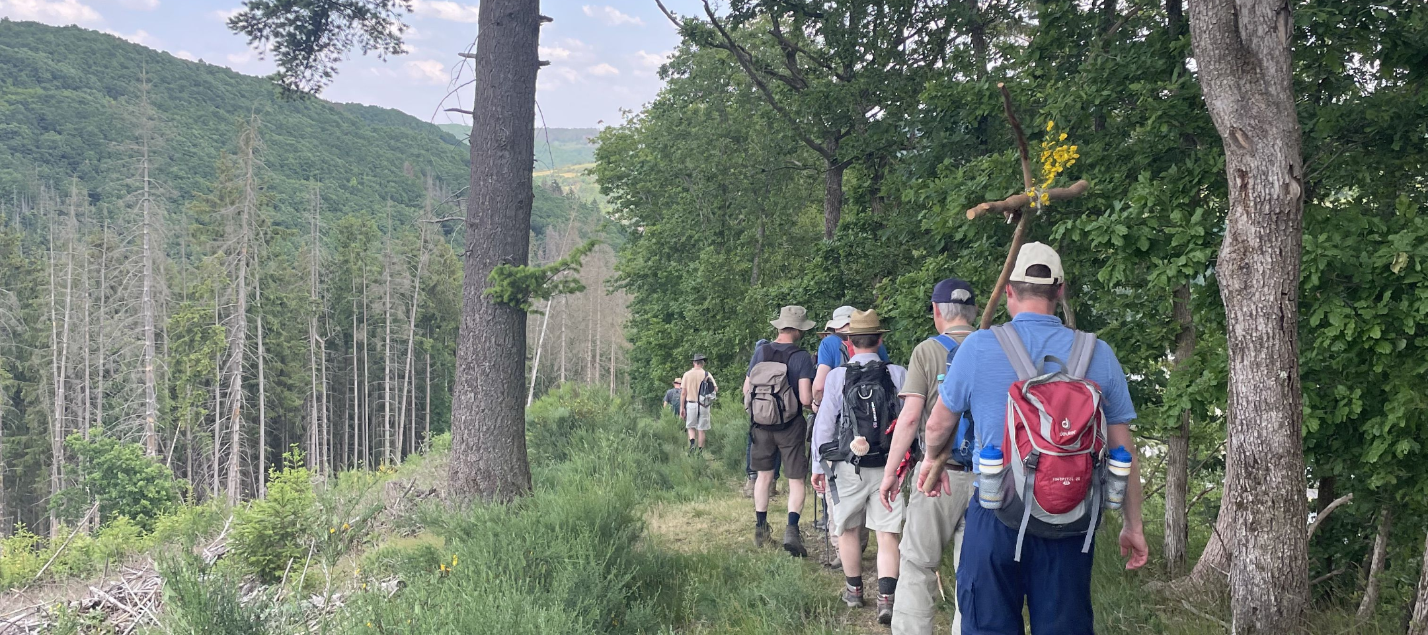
point(1016, 437)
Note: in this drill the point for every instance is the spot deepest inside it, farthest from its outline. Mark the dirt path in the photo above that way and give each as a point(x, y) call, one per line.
point(724, 522)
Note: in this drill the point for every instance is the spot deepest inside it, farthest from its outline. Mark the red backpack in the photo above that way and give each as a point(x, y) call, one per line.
point(1055, 444)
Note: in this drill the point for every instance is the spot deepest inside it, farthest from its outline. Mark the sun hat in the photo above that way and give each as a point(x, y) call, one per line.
point(865, 323)
point(841, 316)
point(792, 317)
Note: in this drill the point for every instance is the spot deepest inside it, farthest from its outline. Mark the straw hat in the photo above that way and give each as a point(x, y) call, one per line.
point(865, 323)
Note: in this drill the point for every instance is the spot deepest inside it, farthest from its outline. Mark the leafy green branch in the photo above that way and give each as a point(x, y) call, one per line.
point(520, 286)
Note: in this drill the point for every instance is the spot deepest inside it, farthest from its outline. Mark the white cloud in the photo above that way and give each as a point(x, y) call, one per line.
point(554, 53)
point(140, 5)
point(185, 55)
point(224, 14)
point(652, 61)
point(553, 77)
point(446, 10)
point(602, 69)
point(63, 12)
point(140, 37)
point(429, 71)
point(611, 16)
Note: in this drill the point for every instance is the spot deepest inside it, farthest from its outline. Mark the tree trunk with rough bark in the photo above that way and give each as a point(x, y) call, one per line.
point(1242, 50)
point(1380, 553)
point(488, 421)
point(1418, 624)
point(1177, 460)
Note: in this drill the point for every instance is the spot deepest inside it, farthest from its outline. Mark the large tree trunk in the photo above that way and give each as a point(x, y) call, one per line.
point(1380, 552)
point(1418, 624)
point(1242, 49)
point(1177, 470)
point(488, 458)
point(832, 192)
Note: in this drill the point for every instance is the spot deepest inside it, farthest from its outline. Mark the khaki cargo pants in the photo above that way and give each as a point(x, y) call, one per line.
point(931, 523)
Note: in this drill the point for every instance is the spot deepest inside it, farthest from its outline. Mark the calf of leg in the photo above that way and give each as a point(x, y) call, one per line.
point(761, 491)
point(920, 554)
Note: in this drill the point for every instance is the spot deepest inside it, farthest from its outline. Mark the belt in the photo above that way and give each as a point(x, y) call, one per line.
point(957, 467)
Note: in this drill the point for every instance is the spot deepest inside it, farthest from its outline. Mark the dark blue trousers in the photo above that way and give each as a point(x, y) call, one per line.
point(1053, 579)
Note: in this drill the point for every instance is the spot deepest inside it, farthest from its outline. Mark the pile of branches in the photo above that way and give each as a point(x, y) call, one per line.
point(124, 604)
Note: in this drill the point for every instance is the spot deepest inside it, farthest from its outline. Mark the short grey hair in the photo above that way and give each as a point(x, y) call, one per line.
point(951, 311)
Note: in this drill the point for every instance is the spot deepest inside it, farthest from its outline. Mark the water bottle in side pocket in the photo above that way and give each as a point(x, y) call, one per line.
point(989, 482)
point(1118, 477)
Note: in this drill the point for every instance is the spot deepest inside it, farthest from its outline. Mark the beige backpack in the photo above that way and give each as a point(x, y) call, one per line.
point(772, 400)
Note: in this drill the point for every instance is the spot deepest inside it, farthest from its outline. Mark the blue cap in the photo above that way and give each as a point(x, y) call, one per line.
point(1120, 454)
point(991, 452)
point(953, 291)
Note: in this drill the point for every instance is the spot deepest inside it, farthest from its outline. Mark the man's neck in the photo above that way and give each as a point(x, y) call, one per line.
point(959, 325)
point(865, 351)
point(782, 339)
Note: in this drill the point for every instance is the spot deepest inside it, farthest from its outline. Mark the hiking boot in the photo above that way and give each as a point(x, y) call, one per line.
point(773, 489)
point(761, 535)
point(749, 488)
point(853, 596)
point(793, 542)
point(885, 608)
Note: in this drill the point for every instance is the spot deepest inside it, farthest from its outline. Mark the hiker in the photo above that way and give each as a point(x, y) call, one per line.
point(1010, 558)
point(850, 454)
point(834, 351)
point(778, 386)
point(698, 390)
point(673, 397)
point(749, 470)
point(930, 523)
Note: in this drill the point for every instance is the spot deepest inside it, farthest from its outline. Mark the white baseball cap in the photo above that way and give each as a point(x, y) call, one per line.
point(1033, 254)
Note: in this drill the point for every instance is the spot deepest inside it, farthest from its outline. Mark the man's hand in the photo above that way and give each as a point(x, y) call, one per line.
point(891, 488)
point(681, 413)
point(932, 478)
point(1133, 544)
point(820, 485)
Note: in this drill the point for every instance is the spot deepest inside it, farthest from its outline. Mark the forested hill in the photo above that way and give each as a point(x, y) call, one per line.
point(554, 147)
point(66, 94)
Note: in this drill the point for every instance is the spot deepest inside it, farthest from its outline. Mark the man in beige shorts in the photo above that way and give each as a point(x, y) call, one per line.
point(853, 465)
point(933, 523)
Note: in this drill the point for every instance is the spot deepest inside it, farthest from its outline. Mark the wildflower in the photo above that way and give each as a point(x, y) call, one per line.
point(369, 625)
point(331, 530)
point(453, 559)
point(1062, 137)
point(1050, 123)
point(346, 526)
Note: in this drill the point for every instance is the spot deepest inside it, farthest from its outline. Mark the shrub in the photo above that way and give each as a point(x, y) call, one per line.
point(272, 532)
point(206, 600)
point(121, 480)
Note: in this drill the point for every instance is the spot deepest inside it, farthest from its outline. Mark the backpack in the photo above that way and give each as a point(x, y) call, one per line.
point(1055, 440)
point(965, 439)
point(772, 401)
point(870, 408)
point(706, 390)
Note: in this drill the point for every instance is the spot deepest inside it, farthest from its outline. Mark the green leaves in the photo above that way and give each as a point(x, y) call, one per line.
point(519, 286)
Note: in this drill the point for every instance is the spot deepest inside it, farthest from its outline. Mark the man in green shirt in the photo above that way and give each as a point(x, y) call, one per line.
point(930, 523)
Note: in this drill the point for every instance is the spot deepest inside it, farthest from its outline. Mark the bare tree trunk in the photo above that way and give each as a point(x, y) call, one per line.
point(245, 212)
point(540, 344)
point(261, 469)
point(314, 453)
point(1418, 624)
point(1177, 471)
point(59, 342)
point(4, 504)
point(1380, 552)
point(103, 350)
point(356, 405)
point(366, 411)
point(217, 399)
point(426, 419)
point(147, 310)
point(564, 317)
point(387, 346)
point(1242, 49)
point(409, 372)
point(488, 458)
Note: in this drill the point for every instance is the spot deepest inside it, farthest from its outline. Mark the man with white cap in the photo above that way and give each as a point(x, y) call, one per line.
point(1052, 579)
point(834, 351)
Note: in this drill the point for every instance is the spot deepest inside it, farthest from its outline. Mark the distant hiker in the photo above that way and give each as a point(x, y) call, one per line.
point(834, 350)
point(698, 390)
point(673, 397)
point(778, 386)
point(931, 523)
point(851, 439)
point(1031, 542)
point(749, 470)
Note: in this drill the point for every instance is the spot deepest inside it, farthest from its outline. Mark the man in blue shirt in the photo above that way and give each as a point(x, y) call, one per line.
point(1053, 578)
point(834, 350)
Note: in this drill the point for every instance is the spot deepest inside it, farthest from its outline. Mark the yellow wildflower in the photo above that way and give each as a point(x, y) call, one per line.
point(1050, 124)
point(1062, 137)
point(331, 530)
point(453, 559)
point(346, 526)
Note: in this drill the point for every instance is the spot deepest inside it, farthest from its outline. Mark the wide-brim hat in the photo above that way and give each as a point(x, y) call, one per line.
point(865, 323)
point(841, 315)
point(699, 357)
point(792, 317)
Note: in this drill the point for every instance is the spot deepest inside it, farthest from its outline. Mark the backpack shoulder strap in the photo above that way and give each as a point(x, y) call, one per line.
point(776, 355)
point(945, 340)
point(1082, 348)
point(1015, 351)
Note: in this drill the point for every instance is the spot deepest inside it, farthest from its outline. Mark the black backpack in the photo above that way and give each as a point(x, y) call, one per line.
point(870, 408)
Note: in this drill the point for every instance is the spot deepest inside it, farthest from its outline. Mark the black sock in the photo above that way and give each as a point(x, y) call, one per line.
point(691, 443)
point(793, 519)
point(761, 519)
point(855, 581)
point(887, 586)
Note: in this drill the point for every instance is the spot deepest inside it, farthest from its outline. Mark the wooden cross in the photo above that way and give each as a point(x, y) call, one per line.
point(1011, 208)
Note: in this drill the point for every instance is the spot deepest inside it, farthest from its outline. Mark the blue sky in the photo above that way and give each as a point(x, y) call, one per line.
point(604, 53)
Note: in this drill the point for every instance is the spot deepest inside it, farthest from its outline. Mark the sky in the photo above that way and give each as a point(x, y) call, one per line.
point(604, 54)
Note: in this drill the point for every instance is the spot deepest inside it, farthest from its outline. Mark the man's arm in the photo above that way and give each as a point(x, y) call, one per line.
point(822, 431)
point(1132, 531)
point(903, 435)
point(819, 380)
point(941, 425)
point(805, 392)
